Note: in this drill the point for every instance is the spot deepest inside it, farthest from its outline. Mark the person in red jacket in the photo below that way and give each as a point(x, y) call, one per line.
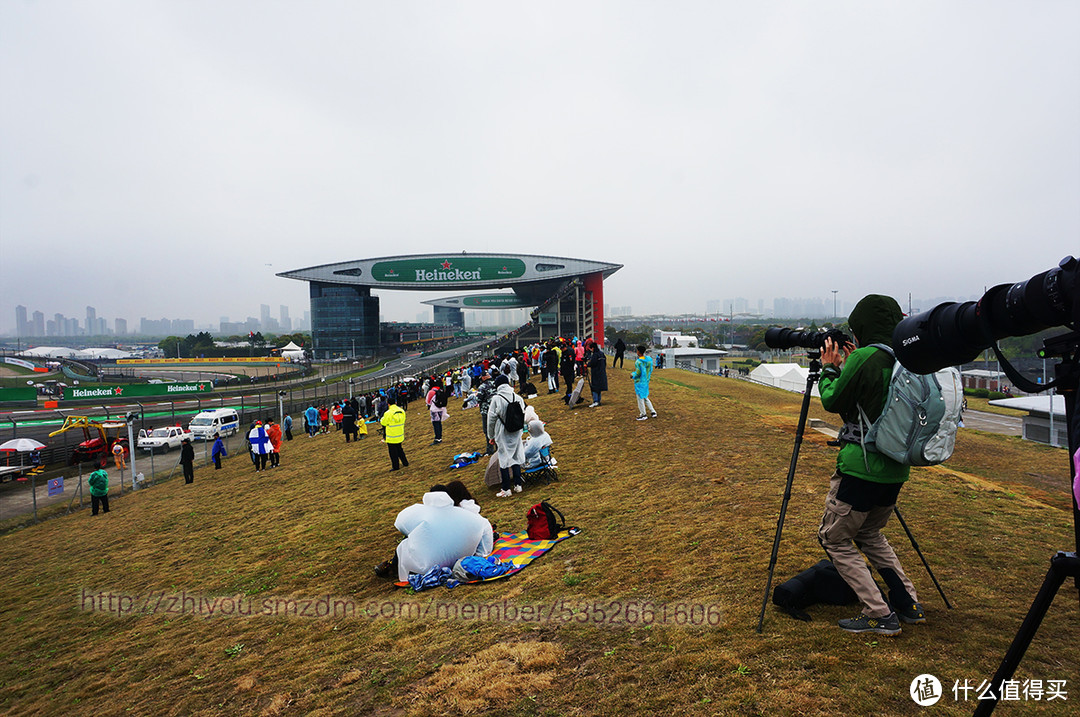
point(273, 432)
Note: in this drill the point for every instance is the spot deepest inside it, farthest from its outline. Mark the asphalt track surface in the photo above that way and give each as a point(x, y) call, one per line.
point(993, 423)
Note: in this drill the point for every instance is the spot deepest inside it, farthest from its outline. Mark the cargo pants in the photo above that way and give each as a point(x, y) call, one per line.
point(845, 531)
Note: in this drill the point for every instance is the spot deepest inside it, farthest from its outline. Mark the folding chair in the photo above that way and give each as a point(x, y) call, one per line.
point(543, 472)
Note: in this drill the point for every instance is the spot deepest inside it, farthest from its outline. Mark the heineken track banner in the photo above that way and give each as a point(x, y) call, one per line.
point(18, 394)
point(137, 390)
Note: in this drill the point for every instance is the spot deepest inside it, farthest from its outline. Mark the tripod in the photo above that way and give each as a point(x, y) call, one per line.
point(1063, 565)
point(811, 379)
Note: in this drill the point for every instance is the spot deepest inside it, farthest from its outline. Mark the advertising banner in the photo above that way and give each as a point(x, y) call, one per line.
point(18, 394)
point(230, 359)
point(447, 271)
point(20, 362)
point(137, 390)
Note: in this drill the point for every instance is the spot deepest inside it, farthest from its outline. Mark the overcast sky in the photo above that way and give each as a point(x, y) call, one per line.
point(167, 159)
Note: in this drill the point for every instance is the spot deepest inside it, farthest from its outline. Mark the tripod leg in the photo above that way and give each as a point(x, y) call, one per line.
point(810, 379)
point(926, 565)
point(1061, 566)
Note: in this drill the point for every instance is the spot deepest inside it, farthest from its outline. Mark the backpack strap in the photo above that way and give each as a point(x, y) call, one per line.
point(856, 433)
point(556, 511)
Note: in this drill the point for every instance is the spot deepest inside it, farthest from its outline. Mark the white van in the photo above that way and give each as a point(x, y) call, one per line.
point(224, 421)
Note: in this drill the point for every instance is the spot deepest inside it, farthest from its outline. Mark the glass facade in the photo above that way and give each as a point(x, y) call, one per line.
point(344, 320)
point(449, 316)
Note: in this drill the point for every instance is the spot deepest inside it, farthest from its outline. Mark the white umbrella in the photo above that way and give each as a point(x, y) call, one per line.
point(22, 445)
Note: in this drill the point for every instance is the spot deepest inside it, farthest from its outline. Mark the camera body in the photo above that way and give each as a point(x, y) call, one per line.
point(780, 338)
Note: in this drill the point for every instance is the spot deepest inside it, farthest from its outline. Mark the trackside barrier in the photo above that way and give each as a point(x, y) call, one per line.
point(30, 500)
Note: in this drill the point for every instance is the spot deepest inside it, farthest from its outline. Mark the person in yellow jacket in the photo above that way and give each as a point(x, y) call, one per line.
point(393, 422)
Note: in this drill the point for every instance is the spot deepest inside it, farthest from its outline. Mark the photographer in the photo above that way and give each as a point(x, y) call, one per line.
point(864, 488)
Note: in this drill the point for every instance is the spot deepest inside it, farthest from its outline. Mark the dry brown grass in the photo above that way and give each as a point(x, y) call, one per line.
point(680, 510)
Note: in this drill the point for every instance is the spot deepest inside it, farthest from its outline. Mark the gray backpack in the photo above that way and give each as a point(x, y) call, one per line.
point(917, 426)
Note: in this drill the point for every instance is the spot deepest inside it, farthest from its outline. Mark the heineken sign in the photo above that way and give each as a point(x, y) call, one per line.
point(135, 390)
point(447, 271)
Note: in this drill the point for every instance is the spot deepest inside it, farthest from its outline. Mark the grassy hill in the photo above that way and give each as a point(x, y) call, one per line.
point(677, 517)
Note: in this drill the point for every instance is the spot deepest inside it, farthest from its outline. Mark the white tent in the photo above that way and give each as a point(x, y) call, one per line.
point(291, 352)
point(788, 376)
point(103, 353)
point(51, 352)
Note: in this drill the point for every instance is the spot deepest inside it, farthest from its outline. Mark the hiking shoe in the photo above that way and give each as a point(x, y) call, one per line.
point(382, 570)
point(880, 625)
point(503, 494)
point(912, 614)
point(643, 417)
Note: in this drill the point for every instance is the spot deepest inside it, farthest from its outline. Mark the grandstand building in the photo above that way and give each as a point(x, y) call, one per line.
point(566, 295)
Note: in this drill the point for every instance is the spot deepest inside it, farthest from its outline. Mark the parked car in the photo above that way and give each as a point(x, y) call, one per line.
point(163, 439)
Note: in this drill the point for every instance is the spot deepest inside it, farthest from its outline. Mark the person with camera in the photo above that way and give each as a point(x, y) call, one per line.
point(864, 488)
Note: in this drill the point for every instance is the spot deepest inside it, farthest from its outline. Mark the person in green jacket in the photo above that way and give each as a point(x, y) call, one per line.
point(393, 422)
point(99, 491)
point(864, 488)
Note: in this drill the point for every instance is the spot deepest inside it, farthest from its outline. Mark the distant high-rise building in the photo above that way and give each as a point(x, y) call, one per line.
point(286, 322)
point(91, 320)
point(37, 323)
point(121, 327)
point(182, 327)
point(22, 326)
point(264, 315)
point(61, 325)
point(712, 306)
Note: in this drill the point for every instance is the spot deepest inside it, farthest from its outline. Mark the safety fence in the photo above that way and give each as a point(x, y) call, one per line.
point(26, 498)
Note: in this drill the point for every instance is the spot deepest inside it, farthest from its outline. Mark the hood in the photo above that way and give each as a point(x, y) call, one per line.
point(505, 391)
point(536, 429)
point(470, 505)
point(873, 319)
point(438, 499)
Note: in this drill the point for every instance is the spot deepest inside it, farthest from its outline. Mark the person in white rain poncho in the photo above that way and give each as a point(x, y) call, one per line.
point(509, 450)
point(439, 534)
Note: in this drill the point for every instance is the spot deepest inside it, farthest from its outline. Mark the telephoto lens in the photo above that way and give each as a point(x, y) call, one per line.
point(783, 339)
point(951, 334)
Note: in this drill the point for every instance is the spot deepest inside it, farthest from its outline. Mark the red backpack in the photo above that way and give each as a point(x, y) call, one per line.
point(540, 521)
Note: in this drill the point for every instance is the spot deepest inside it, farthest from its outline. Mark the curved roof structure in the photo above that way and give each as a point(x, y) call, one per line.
point(345, 312)
point(440, 272)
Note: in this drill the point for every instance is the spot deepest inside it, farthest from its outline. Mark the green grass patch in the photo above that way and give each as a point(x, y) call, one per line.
point(232, 595)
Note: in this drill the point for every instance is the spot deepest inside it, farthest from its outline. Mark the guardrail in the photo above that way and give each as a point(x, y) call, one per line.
point(292, 400)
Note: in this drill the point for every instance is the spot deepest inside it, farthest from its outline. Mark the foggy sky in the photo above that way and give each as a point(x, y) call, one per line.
point(167, 159)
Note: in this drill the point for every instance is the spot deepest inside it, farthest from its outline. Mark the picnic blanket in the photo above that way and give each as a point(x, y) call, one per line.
point(513, 548)
point(516, 548)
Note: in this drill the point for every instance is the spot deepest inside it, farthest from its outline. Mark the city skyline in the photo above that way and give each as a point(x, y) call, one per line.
point(738, 307)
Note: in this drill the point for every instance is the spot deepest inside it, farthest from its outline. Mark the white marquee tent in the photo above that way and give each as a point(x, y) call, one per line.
point(788, 376)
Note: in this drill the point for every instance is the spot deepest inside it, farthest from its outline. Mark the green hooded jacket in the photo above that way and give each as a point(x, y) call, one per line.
point(864, 381)
point(99, 483)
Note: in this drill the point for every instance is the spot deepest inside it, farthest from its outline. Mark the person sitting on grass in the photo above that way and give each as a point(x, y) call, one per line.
point(438, 534)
